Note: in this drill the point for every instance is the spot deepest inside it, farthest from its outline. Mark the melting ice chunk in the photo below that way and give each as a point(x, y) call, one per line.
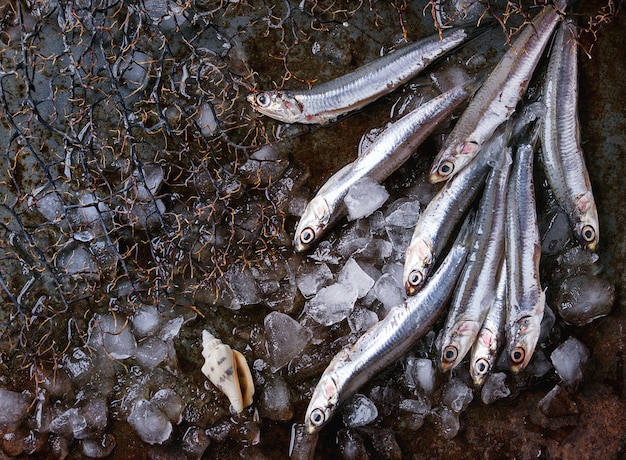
point(312, 277)
point(332, 304)
point(403, 214)
point(146, 320)
point(13, 407)
point(353, 275)
point(359, 411)
point(150, 423)
point(69, 423)
point(568, 360)
point(365, 197)
point(275, 402)
point(361, 319)
point(457, 395)
point(285, 339)
point(447, 422)
point(389, 291)
point(582, 298)
point(151, 352)
point(494, 388)
point(113, 334)
point(414, 411)
point(420, 374)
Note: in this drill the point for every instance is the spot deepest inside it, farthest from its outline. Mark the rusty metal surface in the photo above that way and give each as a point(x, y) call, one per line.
point(266, 43)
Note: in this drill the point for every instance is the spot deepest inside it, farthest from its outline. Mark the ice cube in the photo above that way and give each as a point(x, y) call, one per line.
point(311, 277)
point(400, 238)
point(557, 403)
point(457, 395)
point(146, 320)
point(77, 364)
point(205, 118)
point(580, 299)
point(420, 374)
point(275, 401)
point(495, 388)
point(170, 404)
point(242, 284)
point(77, 261)
point(195, 442)
point(13, 407)
point(324, 253)
point(568, 360)
point(403, 213)
point(388, 291)
point(359, 411)
point(151, 352)
point(361, 319)
point(557, 232)
point(48, 203)
point(285, 339)
point(95, 411)
point(98, 446)
point(353, 275)
point(332, 304)
point(171, 329)
point(446, 421)
point(150, 423)
point(113, 334)
point(69, 423)
point(365, 197)
point(414, 411)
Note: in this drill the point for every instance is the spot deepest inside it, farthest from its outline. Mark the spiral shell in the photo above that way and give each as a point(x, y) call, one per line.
point(228, 370)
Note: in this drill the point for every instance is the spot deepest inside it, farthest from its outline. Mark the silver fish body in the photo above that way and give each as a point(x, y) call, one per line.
point(387, 153)
point(491, 334)
point(562, 154)
point(325, 102)
point(387, 340)
point(495, 102)
point(475, 292)
point(440, 217)
point(525, 297)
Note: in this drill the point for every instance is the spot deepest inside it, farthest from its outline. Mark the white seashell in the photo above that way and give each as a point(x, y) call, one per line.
point(228, 370)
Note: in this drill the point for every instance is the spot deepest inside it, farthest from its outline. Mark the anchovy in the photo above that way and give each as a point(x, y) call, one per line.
point(440, 217)
point(475, 292)
point(491, 334)
point(388, 152)
point(495, 102)
point(562, 154)
point(387, 340)
point(525, 297)
point(325, 102)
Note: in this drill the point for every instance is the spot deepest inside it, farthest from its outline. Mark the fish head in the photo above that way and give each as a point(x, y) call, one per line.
point(524, 333)
point(417, 264)
point(461, 339)
point(323, 404)
point(483, 356)
point(452, 159)
point(586, 226)
point(313, 224)
point(279, 105)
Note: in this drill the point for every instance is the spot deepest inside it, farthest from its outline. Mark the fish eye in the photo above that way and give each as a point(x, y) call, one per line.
point(588, 233)
point(307, 235)
point(517, 355)
point(445, 168)
point(415, 278)
point(450, 353)
point(481, 366)
point(263, 100)
point(317, 417)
